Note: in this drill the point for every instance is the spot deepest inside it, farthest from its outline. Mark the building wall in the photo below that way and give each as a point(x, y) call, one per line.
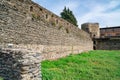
point(109, 39)
point(112, 43)
point(92, 29)
point(110, 31)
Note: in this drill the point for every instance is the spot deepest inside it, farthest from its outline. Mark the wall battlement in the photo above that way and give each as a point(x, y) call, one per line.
point(40, 13)
point(24, 21)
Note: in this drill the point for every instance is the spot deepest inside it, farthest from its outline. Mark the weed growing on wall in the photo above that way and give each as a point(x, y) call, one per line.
point(53, 24)
point(67, 30)
point(60, 27)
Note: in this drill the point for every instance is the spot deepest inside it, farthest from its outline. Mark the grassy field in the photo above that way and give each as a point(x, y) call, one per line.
point(1, 78)
point(93, 65)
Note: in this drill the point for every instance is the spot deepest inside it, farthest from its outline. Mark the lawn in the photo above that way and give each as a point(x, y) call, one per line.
point(93, 65)
point(1, 78)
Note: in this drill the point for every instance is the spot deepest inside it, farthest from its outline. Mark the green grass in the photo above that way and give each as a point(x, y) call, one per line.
point(1, 78)
point(93, 65)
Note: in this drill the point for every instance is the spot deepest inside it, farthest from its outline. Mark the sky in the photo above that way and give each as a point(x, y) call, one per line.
point(104, 12)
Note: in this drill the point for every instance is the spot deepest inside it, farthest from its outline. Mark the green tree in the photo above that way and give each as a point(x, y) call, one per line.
point(67, 14)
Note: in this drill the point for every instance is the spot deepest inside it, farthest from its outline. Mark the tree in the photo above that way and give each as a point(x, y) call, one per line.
point(67, 14)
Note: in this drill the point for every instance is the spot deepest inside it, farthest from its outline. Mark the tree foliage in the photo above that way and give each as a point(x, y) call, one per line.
point(67, 14)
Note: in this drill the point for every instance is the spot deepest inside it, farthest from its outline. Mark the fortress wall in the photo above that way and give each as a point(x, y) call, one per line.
point(50, 51)
point(25, 22)
point(112, 43)
point(17, 64)
point(37, 34)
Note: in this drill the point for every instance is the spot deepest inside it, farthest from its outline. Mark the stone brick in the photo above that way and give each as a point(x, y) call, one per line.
point(13, 68)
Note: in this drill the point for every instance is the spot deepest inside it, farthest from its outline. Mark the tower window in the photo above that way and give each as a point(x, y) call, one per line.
point(94, 42)
point(94, 35)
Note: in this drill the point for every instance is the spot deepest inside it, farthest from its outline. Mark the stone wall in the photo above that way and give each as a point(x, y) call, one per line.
point(51, 51)
point(17, 64)
point(20, 25)
point(25, 22)
point(112, 43)
point(110, 31)
point(92, 29)
point(24, 25)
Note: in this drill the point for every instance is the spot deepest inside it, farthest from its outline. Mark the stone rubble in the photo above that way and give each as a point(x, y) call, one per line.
point(20, 65)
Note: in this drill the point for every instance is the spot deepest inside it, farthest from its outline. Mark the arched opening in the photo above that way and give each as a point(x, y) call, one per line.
point(94, 47)
point(31, 8)
point(40, 9)
point(94, 42)
point(46, 16)
point(94, 36)
point(52, 15)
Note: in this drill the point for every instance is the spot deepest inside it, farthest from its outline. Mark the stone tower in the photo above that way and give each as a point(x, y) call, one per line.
point(92, 29)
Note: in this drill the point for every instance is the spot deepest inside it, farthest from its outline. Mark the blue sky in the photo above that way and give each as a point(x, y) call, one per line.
point(105, 12)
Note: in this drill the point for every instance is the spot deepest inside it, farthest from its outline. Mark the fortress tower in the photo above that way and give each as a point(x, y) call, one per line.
point(92, 29)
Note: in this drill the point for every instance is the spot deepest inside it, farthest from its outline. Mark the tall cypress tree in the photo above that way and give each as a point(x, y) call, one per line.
point(67, 14)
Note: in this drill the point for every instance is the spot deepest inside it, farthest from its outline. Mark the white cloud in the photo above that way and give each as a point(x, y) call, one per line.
point(113, 4)
point(72, 5)
point(92, 10)
point(99, 13)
